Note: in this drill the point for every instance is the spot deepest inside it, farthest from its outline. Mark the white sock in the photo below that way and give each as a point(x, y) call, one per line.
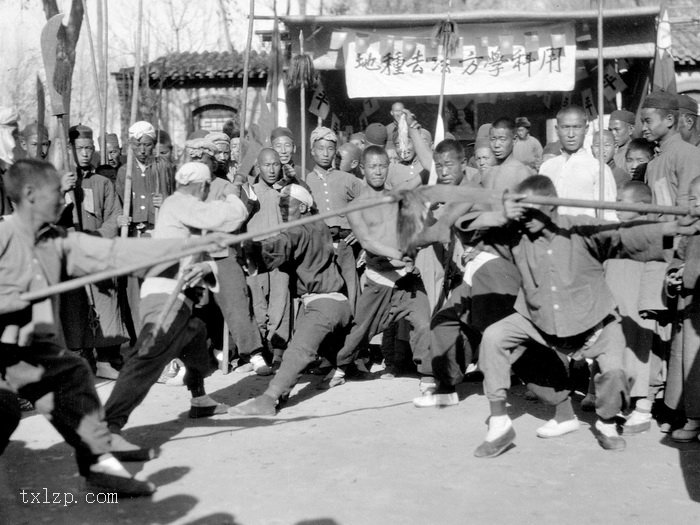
point(257, 361)
point(335, 372)
point(120, 444)
point(108, 464)
point(607, 429)
point(498, 425)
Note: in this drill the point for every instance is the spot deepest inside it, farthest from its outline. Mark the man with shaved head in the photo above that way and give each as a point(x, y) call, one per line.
point(308, 252)
point(270, 290)
point(621, 126)
point(508, 171)
point(348, 159)
point(575, 172)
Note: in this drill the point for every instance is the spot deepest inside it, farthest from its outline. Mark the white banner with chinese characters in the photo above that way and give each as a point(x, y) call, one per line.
point(502, 58)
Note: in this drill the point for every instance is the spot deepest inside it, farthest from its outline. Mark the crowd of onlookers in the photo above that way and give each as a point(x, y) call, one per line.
point(551, 294)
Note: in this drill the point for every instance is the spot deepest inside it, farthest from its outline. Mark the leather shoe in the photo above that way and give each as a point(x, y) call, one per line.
point(491, 449)
point(131, 487)
point(262, 405)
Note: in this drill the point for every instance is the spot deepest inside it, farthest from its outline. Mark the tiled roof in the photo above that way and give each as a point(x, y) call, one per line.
point(685, 30)
point(186, 68)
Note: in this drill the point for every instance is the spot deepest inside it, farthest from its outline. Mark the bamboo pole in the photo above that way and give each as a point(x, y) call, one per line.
point(105, 71)
point(275, 66)
point(216, 242)
point(246, 66)
point(302, 111)
point(447, 193)
point(601, 111)
point(132, 118)
point(93, 60)
point(101, 69)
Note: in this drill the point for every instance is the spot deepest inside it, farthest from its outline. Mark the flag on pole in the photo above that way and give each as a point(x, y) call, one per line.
point(589, 104)
point(320, 105)
point(370, 106)
point(664, 77)
point(438, 137)
point(612, 82)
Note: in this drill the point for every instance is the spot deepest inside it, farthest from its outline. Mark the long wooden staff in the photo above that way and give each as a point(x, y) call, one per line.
point(93, 62)
point(446, 193)
point(302, 110)
point(40, 113)
point(246, 68)
point(102, 61)
point(209, 243)
point(132, 119)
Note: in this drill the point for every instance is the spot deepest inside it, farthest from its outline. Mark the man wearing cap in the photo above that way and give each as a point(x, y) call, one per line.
point(332, 190)
point(183, 214)
point(37, 254)
point(92, 317)
point(621, 125)
point(283, 143)
point(670, 172)
point(113, 151)
point(376, 135)
point(151, 182)
point(688, 119)
point(232, 296)
point(322, 323)
point(527, 149)
point(575, 172)
point(222, 155)
point(32, 144)
point(164, 145)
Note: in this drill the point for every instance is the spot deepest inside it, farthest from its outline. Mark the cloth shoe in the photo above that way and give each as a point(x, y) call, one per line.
point(170, 371)
point(123, 450)
point(436, 400)
point(205, 406)
point(636, 423)
point(335, 377)
point(105, 370)
point(390, 372)
point(109, 475)
point(427, 386)
point(689, 432)
point(554, 428)
point(496, 447)
point(608, 437)
point(262, 405)
point(588, 403)
point(260, 367)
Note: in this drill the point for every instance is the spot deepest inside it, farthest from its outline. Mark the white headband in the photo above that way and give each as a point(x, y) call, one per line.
point(192, 172)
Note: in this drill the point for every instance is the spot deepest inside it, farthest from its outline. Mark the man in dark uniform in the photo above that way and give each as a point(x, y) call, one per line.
point(308, 252)
point(92, 317)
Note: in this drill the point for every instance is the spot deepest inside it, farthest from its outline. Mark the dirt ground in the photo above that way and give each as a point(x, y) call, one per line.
point(358, 454)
